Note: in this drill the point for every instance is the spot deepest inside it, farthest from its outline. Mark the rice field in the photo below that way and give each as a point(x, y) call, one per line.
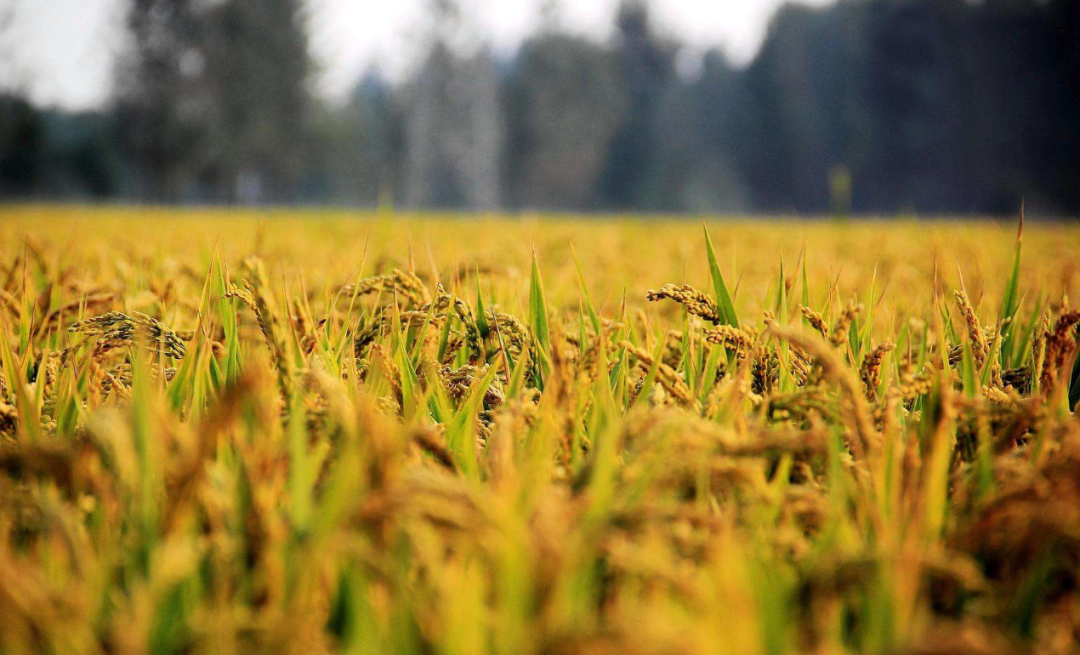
point(327, 432)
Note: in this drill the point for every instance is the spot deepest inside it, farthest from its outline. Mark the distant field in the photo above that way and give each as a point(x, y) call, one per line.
point(308, 431)
point(617, 255)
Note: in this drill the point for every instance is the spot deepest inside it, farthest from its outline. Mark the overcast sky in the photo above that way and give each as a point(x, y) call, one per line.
point(62, 51)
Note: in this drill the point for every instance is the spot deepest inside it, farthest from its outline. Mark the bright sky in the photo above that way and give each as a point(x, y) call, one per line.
point(62, 51)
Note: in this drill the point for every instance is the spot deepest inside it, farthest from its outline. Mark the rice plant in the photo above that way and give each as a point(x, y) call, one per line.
point(234, 433)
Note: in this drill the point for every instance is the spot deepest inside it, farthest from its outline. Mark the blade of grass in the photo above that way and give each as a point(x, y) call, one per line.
point(723, 298)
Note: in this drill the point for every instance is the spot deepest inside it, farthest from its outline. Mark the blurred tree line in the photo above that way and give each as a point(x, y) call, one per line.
point(863, 106)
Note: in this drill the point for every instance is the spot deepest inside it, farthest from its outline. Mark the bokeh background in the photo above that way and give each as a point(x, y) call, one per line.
point(673, 106)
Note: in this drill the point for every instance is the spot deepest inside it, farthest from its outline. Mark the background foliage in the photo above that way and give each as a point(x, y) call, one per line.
point(865, 105)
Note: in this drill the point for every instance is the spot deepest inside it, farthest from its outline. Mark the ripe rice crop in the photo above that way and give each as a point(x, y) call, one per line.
point(300, 431)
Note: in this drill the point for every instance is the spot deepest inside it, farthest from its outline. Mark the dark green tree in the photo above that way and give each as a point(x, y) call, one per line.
point(22, 137)
point(215, 98)
point(564, 105)
point(647, 70)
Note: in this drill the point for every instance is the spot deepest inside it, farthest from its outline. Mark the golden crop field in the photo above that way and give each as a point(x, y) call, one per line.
point(312, 431)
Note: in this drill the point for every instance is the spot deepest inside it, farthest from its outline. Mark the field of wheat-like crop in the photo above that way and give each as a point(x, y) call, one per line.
point(308, 432)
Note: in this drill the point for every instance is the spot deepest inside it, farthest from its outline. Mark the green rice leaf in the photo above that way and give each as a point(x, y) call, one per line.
point(538, 316)
point(723, 298)
point(1010, 301)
